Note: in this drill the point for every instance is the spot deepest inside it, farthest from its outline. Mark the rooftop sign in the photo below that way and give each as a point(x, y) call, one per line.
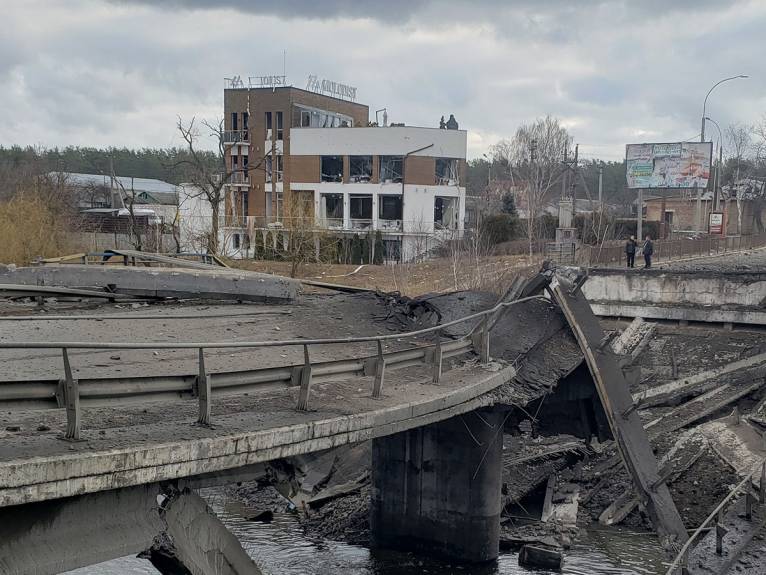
point(330, 88)
point(267, 81)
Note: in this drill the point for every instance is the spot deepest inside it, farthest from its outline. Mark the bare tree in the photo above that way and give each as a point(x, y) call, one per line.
point(738, 137)
point(209, 180)
point(533, 158)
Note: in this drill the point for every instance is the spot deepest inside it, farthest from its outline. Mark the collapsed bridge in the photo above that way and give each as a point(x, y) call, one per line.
point(223, 423)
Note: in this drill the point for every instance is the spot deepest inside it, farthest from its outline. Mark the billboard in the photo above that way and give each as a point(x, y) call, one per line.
point(671, 165)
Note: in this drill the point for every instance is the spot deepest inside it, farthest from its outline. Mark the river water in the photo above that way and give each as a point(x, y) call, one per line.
point(280, 548)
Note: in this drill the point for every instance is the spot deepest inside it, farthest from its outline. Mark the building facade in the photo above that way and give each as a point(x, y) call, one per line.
point(301, 159)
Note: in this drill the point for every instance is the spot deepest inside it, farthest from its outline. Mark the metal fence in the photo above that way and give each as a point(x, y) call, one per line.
point(667, 250)
point(67, 392)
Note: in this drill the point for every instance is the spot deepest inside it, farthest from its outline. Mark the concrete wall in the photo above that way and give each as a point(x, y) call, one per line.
point(658, 287)
point(391, 141)
point(437, 488)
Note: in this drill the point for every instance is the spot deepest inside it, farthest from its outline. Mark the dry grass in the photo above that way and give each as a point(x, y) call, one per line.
point(488, 273)
point(29, 228)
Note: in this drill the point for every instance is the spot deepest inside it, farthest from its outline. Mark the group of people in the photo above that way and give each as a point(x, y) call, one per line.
point(631, 247)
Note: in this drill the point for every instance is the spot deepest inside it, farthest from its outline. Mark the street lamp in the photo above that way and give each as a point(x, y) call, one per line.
point(720, 163)
point(704, 104)
point(489, 175)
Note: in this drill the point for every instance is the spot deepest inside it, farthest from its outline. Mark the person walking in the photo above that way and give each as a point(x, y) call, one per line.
point(630, 251)
point(648, 250)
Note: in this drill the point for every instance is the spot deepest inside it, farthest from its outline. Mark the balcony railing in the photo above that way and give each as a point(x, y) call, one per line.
point(392, 225)
point(360, 224)
point(235, 136)
point(239, 178)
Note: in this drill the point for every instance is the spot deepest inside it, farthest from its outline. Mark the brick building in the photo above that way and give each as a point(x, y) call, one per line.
point(300, 156)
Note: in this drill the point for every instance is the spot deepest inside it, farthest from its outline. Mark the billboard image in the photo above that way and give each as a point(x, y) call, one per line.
point(672, 165)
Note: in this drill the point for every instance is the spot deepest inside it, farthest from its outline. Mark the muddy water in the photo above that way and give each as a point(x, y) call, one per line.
point(280, 548)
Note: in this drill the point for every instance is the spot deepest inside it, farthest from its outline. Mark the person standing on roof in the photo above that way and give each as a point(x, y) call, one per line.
point(648, 250)
point(631, 246)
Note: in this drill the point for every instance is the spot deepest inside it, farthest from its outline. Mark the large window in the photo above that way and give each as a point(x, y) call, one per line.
point(234, 125)
point(315, 118)
point(360, 210)
point(271, 174)
point(446, 172)
point(390, 212)
point(331, 210)
point(360, 168)
point(280, 126)
point(391, 169)
point(332, 168)
point(445, 213)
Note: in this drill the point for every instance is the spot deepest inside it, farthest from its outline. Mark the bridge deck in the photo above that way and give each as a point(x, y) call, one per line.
point(157, 441)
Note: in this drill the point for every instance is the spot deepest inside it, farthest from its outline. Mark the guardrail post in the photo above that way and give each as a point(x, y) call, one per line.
point(438, 357)
point(303, 394)
point(762, 484)
point(203, 392)
point(720, 533)
point(685, 563)
point(750, 502)
point(380, 371)
point(484, 345)
point(71, 401)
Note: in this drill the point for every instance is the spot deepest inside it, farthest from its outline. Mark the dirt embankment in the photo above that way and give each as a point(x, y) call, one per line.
point(488, 273)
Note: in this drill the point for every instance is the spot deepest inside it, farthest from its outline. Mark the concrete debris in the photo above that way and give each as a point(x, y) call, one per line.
point(540, 557)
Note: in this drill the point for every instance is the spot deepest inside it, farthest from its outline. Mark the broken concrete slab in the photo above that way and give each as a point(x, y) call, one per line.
point(202, 543)
point(751, 368)
point(215, 284)
point(738, 443)
point(627, 427)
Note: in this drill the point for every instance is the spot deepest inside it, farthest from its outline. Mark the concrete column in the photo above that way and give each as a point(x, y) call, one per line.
point(437, 488)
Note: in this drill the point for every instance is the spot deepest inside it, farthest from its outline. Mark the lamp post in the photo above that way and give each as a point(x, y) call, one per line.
point(720, 164)
point(704, 104)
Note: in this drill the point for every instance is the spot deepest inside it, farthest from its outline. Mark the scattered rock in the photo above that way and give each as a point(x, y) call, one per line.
point(43, 428)
point(13, 428)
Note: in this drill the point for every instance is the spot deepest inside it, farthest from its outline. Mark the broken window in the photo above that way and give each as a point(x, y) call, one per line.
point(311, 117)
point(235, 241)
point(392, 250)
point(391, 169)
point(446, 172)
point(669, 218)
point(270, 172)
point(234, 121)
point(280, 127)
point(280, 206)
point(245, 124)
point(390, 212)
point(445, 213)
point(331, 209)
point(360, 168)
point(268, 125)
point(332, 168)
point(360, 209)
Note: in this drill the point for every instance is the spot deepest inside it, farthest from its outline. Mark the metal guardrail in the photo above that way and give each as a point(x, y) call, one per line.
point(67, 392)
point(680, 563)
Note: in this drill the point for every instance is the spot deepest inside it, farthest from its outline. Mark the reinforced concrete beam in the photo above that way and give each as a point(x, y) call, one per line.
point(218, 284)
point(49, 537)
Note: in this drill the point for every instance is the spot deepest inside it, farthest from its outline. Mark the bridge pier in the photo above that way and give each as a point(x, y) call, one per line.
point(437, 488)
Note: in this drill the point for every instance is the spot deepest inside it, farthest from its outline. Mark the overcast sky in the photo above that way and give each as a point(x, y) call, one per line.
point(119, 73)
